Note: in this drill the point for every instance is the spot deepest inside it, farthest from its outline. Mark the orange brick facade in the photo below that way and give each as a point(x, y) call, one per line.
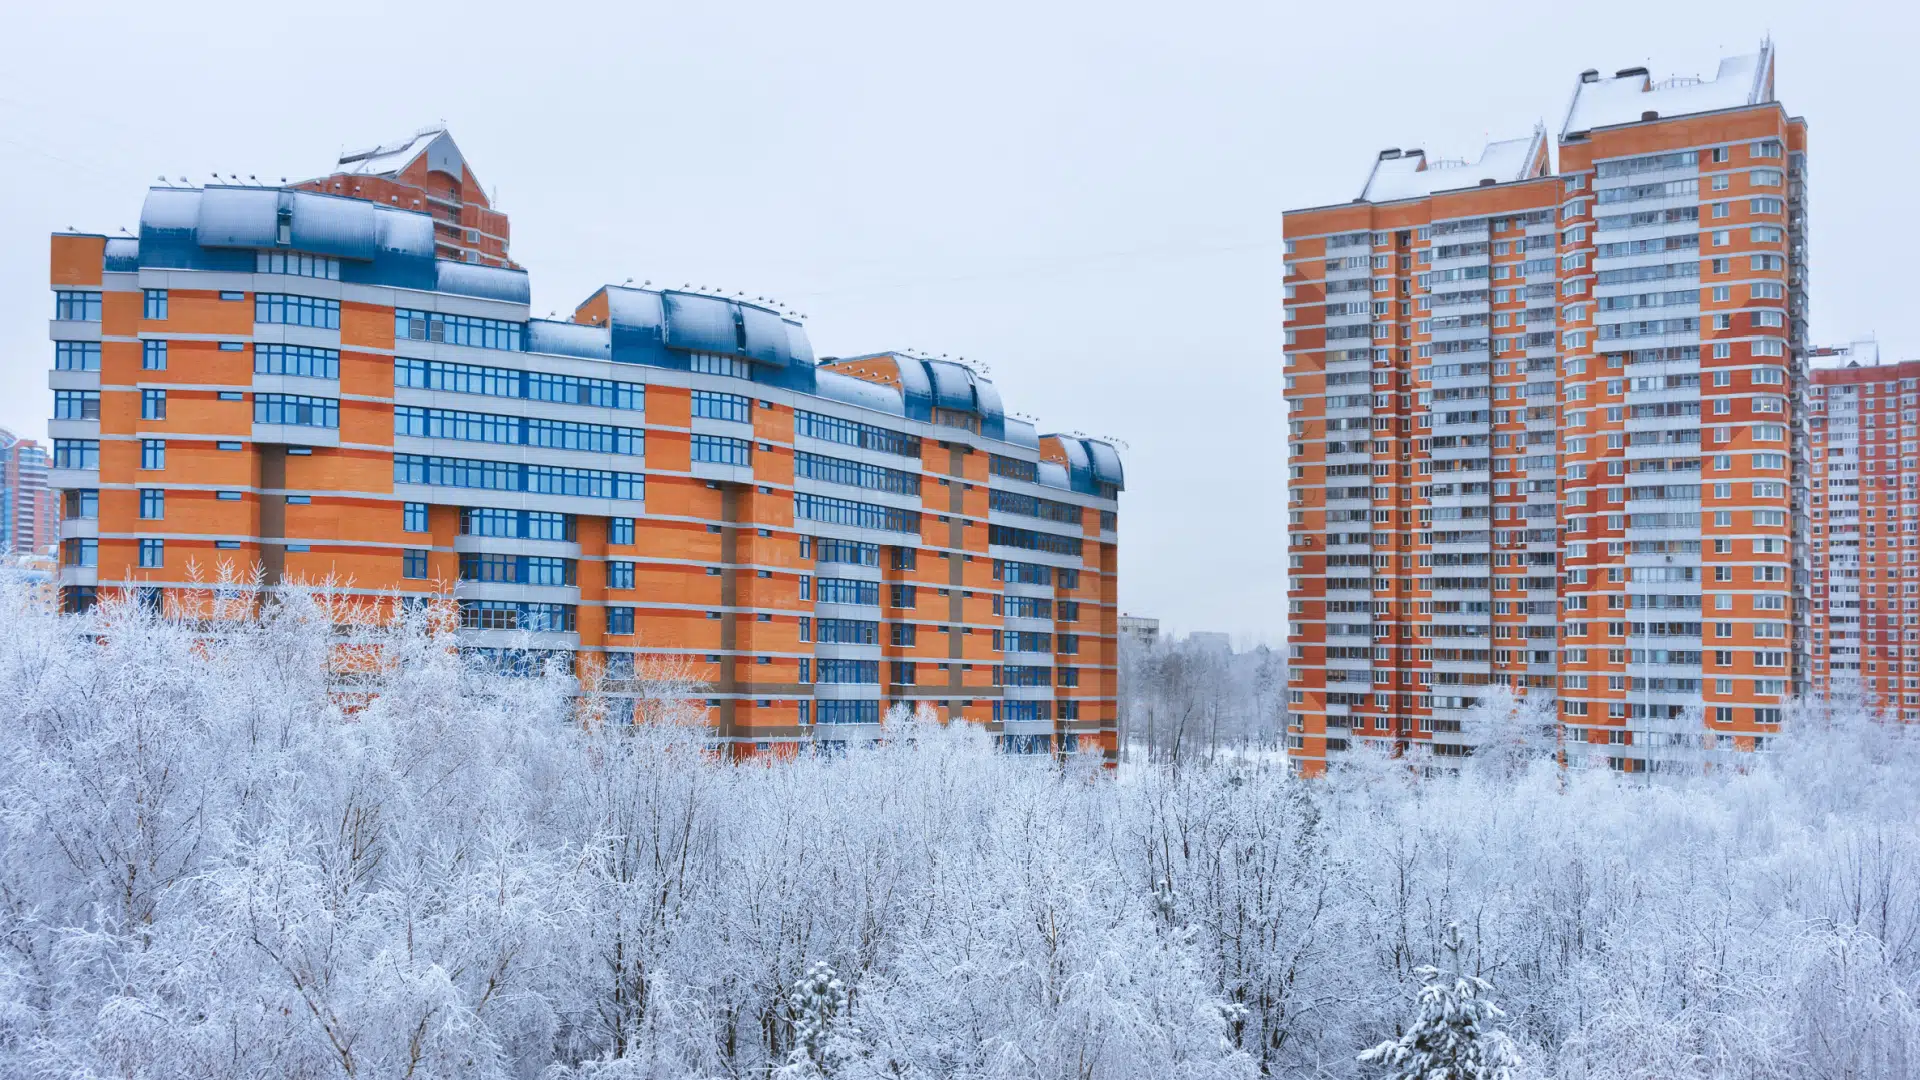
point(322, 382)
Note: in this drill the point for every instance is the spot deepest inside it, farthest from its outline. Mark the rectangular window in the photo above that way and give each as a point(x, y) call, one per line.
point(76, 453)
point(76, 355)
point(80, 504)
point(290, 310)
point(153, 504)
point(413, 517)
point(153, 454)
point(413, 564)
point(619, 620)
point(717, 364)
point(76, 404)
point(153, 356)
point(303, 360)
point(80, 551)
point(850, 433)
point(153, 404)
point(296, 410)
point(619, 574)
point(904, 596)
point(154, 305)
point(297, 264)
point(153, 553)
point(715, 406)
point(409, 325)
point(76, 306)
point(720, 450)
point(620, 531)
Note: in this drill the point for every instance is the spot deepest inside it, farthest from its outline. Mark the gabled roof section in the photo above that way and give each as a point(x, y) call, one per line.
point(1412, 175)
point(1630, 95)
point(392, 159)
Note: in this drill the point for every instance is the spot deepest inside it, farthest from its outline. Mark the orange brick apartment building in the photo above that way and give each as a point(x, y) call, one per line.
point(1544, 430)
point(342, 377)
point(1863, 438)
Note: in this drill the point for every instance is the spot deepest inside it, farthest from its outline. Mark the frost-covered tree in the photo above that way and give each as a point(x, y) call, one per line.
point(301, 834)
point(1456, 1034)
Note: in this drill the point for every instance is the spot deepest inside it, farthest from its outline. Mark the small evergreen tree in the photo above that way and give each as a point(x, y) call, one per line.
point(820, 1002)
point(1455, 1037)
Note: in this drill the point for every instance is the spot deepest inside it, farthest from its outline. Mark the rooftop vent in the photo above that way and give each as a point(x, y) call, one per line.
point(1627, 73)
point(1650, 115)
point(1590, 75)
point(1488, 181)
point(1416, 152)
point(1390, 153)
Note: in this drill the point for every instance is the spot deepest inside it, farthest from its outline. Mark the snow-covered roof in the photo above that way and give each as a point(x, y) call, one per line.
point(1412, 175)
point(390, 159)
point(1630, 94)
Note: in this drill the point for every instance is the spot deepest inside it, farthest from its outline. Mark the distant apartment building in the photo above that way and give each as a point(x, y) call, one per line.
point(1864, 607)
point(1543, 429)
point(342, 377)
point(1139, 628)
point(29, 518)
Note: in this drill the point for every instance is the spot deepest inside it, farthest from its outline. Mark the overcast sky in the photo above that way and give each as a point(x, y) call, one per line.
point(1085, 199)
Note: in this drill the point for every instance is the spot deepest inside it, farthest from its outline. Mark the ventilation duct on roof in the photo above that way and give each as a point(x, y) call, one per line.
point(1590, 75)
point(1390, 153)
point(1649, 115)
point(1626, 73)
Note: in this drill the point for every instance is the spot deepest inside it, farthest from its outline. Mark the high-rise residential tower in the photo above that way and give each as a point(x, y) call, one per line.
point(1622, 336)
point(1864, 604)
point(328, 380)
point(29, 518)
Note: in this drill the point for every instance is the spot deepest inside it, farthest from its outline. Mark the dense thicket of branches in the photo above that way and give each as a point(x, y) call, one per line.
point(208, 869)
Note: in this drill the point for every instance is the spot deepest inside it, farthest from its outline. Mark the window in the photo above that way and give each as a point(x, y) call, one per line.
point(76, 404)
point(903, 596)
point(905, 635)
point(76, 306)
point(296, 310)
point(845, 591)
point(413, 564)
point(714, 406)
point(517, 569)
point(859, 514)
point(620, 531)
point(720, 450)
point(905, 558)
point(619, 620)
point(76, 453)
point(80, 551)
point(410, 325)
point(303, 360)
point(850, 433)
point(153, 404)
point(297, 264)
point(153, 356)
point(153, 504)
point(619, 574)
point(76, 355)
point(833, 470)
point(80, 504)
point(296, 410)
point(413, 517)
point(154, 305)
point(516, 524)
point(153, 553)
point(513, 476)
point(717, 364)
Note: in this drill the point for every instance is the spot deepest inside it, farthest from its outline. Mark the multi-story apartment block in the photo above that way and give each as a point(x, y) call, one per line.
point(311, 384)
point(1622, 339)
point(29, 518)
point(1864, 603)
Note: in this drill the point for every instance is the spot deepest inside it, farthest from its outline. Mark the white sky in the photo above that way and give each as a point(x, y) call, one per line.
point(1084, 198)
